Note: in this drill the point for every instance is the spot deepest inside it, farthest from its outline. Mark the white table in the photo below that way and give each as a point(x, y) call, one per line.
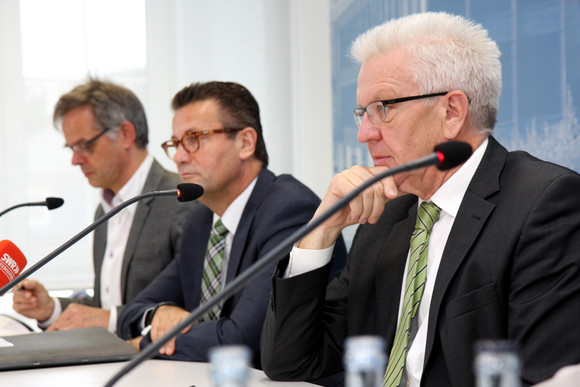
point(165, 373)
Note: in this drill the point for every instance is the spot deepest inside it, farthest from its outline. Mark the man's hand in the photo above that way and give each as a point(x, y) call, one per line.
point(31, 299)
point(136, 343)
point(166, 317)
point(365, 208)
point(81, 316)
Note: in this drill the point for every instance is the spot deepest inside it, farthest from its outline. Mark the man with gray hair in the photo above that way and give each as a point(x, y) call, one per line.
point(105, 127)
point(441, 259)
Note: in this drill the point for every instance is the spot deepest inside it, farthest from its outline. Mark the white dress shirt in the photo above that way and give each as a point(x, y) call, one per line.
point(231, 219)
point(118, 228)
point(448, 197)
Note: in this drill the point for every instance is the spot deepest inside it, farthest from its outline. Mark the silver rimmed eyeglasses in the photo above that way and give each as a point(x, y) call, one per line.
point(190, 140)
point(377, 110)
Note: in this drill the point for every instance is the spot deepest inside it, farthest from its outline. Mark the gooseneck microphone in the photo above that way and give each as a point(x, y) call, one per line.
point(445, 156)
point(50, 203)
point(184, 192)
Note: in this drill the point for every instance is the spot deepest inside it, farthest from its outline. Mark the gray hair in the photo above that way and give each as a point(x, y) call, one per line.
point(450, 53)
point(112, 105)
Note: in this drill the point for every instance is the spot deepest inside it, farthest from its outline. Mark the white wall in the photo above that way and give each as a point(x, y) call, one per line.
point(279, 49)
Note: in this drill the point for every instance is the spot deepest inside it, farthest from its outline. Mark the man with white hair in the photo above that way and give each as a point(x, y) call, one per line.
point(487, 250)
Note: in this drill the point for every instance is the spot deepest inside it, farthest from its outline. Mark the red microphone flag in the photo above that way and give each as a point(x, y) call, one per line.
point(12, 261)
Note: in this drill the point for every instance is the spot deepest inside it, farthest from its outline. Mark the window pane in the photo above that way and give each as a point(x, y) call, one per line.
point(68, 39)
point(116, 36)
point(53, 42)
point(62, 41)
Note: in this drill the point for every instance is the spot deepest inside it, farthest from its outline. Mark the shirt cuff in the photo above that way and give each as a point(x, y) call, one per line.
point(146, 318)
point(56, 312)
point(302, 260)
point(145, 323)
point(113, 320)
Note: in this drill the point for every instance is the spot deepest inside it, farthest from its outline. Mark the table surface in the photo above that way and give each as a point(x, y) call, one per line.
point(167, 373)
point(151, 373)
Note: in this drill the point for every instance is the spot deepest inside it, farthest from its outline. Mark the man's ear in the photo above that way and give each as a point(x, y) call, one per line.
point(128, 133)
point(246, 142)
point(457, 105)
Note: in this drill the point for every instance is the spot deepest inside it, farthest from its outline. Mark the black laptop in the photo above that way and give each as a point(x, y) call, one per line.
point(62, 348)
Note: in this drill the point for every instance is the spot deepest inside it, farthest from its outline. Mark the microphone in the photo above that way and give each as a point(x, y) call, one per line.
point(50, 203)
point(12, 261)
point(185, 192)
point(445, 156)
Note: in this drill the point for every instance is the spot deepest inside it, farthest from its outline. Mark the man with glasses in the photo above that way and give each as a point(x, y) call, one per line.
point(245, 212)
point(105, 127)
point(487, 250)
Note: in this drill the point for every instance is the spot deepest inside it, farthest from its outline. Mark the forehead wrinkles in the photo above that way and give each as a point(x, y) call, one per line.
point(199, 115)
point(385, 77)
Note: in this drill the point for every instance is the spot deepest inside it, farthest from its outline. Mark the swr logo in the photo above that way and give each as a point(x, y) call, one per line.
point(10, 263)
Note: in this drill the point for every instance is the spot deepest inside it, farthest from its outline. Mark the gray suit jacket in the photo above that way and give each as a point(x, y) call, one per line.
point(154, 239)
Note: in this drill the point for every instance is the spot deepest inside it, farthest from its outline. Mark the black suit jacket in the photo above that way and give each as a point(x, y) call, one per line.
point(154, 239)
point(510, 270)
point(277, 207)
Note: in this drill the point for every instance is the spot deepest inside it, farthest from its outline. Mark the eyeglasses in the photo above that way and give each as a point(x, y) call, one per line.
point(190, 141)
point(377, 111)
point(86, 147)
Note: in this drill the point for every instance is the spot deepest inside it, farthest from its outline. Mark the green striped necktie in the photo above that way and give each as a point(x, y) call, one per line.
point(427, 215)
point(212, 268)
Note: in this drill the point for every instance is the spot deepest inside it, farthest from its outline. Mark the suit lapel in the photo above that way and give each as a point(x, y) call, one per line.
point(470, 220)
point(99, 243)
point(390, 270)
point(265, 180)
point(194, 254)
point(100, 239)
point(141, 213)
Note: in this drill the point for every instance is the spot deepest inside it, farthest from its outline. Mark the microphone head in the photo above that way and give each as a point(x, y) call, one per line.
point(452, 153)
point(187, 192)
point(12, 261)
point(52, 203)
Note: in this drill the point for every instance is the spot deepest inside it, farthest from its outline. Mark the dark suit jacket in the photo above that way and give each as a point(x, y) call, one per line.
point(510, 270)
point(154, 239)
point(277, 207)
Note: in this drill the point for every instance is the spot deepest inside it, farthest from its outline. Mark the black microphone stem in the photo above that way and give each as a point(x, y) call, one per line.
point(252, 272)
point(22, 205)
point(76, 238)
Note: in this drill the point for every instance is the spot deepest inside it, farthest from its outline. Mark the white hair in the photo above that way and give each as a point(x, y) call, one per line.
point(449, 53)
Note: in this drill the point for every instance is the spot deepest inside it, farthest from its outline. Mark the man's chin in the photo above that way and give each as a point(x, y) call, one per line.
point(388, 162)
point(190, 179)
point(94, 182)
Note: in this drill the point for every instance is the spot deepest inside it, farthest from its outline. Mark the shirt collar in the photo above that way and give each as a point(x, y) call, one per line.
point(132, 188)
point(233, 214)
point(450, 195)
